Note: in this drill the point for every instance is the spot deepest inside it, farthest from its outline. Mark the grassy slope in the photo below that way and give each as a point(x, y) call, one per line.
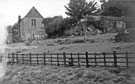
point(61, 75)
point(102, 44)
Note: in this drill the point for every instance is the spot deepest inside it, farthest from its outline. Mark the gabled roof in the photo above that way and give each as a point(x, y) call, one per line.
point(33, 13)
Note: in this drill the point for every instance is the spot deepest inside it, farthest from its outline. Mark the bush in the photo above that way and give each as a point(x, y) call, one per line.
point(91, 40)
point(78, 41)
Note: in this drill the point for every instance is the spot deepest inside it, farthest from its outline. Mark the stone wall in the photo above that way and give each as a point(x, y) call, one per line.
point(27, 31)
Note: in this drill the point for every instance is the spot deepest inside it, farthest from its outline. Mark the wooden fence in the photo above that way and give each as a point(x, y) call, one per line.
point(113, 59)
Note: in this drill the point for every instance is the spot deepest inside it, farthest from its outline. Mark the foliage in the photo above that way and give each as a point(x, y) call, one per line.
point(9, 28)
point(9, 32)
point(58, 26)
point(55, 26)
point(15, 33)
point(79, 8)
point(113, 9)
point(47, 20)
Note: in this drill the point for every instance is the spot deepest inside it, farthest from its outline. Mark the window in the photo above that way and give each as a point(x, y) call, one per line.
point(33, 22)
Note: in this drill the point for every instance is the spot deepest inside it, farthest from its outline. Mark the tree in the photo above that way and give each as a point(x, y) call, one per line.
point(52, 25)
point(9, 28)
point(79, 8)
point(113, 9)
point(65, 24)
point(56, 26)
point(47, 20)
point(15, 33)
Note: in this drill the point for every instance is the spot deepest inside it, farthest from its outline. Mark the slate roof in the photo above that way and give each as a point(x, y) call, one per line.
point(33, 13)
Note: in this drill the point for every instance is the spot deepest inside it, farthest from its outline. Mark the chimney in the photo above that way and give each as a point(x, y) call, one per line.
point(19, 18)
point(19, 29)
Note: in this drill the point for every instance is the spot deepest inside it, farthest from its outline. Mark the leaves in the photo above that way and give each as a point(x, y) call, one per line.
point(55, 26)
point(15, 33)
point(113, 9)
point(79, 8)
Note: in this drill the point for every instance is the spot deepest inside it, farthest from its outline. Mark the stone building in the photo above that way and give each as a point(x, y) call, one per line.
point(30, 26)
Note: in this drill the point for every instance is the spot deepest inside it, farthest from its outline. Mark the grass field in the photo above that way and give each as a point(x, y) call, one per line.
point(60, 75)
point(102, 43)
point(70, 75)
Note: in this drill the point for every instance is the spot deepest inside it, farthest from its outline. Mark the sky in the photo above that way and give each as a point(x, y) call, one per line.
point(10, 9)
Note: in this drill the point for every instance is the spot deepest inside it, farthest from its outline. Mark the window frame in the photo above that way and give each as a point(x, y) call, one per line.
point(33, 22)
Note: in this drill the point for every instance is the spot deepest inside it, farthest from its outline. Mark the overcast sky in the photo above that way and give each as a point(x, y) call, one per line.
point(10, 9)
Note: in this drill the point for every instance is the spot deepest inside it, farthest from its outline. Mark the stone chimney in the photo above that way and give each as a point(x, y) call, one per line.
point(19, 18)
point(19, 29)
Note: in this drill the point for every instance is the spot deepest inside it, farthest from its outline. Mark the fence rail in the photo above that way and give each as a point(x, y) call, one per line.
point(113, 59)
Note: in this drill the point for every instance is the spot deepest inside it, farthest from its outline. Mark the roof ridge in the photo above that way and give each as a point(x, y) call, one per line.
point(29, 14)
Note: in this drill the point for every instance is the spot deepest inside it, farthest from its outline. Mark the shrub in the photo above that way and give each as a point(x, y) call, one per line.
point(78, 41)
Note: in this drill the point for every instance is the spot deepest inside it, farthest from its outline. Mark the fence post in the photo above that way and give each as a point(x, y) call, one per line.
point(17, 58)
point(87, 60)
point(1, 58)
point(57, 59)
point(95, 57)
point(104, 54)
point(37, 59)
point(115, 58)
point(8, 55)
point(78, 60)
point(30, 57)
point(22, 58)
point(127, 60)
point(51, 59)
point(64, 58)
point(44, 58)
point(71, 63)
point(13, 58)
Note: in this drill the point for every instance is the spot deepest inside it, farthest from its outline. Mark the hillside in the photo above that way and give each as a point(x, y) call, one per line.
point(97, 43)
point(24, 74)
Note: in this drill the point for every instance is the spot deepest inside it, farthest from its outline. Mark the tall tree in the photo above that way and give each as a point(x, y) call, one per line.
point(55, 26)
point(79, 8)
point(52, 25)
point(115, 9)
